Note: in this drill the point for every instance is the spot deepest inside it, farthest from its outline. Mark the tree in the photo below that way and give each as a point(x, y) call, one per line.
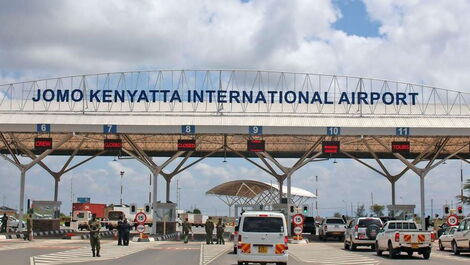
point(377, 209)
point(196, 211)
point(337, 215)
point(465, 199)
point(361, 211)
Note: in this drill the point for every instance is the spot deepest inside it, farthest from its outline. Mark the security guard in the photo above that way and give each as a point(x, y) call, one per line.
point(125, 231)
point(220, 232)
point(4, 223)
point(94, 225)
point(209, 231)
point(29, 227)
point(186, 229)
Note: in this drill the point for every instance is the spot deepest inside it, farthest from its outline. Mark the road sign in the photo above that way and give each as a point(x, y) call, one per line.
point(298, 230)
point(141, 217)
point(140, 228)
point(298, 219)
point(452, 220)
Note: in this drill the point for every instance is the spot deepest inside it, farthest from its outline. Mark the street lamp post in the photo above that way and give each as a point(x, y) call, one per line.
point(122, 174)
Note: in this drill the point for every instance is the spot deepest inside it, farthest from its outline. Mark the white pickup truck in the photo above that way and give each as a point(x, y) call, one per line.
point(403, 236)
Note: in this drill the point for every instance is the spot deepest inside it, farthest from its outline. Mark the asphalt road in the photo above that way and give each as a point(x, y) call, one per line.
point(56, 251)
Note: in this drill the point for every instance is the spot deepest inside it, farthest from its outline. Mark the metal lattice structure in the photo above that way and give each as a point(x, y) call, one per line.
point(222, 109)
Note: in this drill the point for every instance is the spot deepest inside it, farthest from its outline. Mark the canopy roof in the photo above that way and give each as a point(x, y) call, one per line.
point(252, 188)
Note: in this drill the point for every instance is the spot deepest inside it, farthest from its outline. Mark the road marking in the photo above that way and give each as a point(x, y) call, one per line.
point(176, 248)
point(36, 244)
point(108, 251)
point(324, 254)
point(450, 256)
point(210, 253)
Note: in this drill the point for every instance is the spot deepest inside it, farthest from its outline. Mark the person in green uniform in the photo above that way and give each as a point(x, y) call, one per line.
point(94, 225)
point(186, 229)
point(29, 227)
point(220, 232)
point(4, 223)
point(209, 225)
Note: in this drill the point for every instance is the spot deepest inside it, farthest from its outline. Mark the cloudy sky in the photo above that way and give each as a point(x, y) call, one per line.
point(417, 41)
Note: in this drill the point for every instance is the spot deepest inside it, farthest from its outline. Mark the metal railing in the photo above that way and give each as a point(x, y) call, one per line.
point(78, 94)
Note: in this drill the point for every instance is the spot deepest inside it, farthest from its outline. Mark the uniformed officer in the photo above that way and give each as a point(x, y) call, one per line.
point(125, 230)
point(94, 225)
point(29, 227)
point(4, 223)
point(119, 230)
point(186, 229)
point(209, 231)
point(220, 232)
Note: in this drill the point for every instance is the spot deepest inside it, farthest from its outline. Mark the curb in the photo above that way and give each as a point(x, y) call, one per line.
point(165, 237)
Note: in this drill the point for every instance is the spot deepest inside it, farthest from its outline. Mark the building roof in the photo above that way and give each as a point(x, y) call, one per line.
point(252, 188)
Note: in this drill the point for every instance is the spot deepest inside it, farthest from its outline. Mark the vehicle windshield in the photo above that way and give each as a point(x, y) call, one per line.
point(334, 221)
point(263, 224)
point(80, 215)
point(367, 222)
point(114, 215)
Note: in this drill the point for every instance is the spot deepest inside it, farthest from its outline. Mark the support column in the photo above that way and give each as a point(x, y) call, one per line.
point(168, 181)
point(289, 187)
point(281, 183)
point(56, 189)
point(22, 189)
point(421, 185)
point(154, 201)
point(393, 192)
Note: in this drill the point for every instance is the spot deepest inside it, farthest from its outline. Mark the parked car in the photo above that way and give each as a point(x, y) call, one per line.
point(262, 238)
point(445, 240)
point(403, 236)
point(362, 231)
point(14, 223)
point(309, 225)
point(332, 227)
point(461, 242)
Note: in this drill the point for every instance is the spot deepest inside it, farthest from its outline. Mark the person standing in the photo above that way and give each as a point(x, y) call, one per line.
point(119, 230)
point(186, 229)
point(29, 227)
point(94, 225)
point(125, 230)
point(209, 231)
point(220, 232)
point(4, 223)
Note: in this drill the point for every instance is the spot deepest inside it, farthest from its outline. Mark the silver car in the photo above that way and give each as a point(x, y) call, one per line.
point(445, 240)
point(362, 231)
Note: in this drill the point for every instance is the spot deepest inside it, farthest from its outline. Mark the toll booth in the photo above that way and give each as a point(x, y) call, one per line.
point(401, 211)
point(46, 215)
point(166, 218)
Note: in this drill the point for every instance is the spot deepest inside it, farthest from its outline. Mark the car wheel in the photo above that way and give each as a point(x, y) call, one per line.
point(441, 247)
point(372, 247)
point(353, 246)
point(346, 245)
point(391, 252)
point(377, 250)
point(427, 254)
point(240, 263)
point(234, 250)
point(455, 249)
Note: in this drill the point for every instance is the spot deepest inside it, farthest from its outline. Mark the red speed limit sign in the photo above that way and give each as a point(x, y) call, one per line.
point(141, 217)
point(452, 220)
point(298, 219)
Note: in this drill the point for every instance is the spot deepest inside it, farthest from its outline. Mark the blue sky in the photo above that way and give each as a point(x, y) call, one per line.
point(355, 20)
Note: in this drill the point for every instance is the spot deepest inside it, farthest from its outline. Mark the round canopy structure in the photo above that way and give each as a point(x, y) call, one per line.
point(252, 193)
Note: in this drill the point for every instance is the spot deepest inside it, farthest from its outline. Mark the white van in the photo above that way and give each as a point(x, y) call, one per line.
point(262, 238)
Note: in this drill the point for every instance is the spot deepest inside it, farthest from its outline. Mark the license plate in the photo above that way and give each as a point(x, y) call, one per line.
point(262, 249)
point(414, 245)
point(336, 226)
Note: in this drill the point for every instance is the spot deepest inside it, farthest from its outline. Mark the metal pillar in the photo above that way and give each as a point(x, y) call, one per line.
point(421, 188)
point(393, 192)
point(22, 190)
point(281, 190)
point(168, 190)
point(154, 201)
point(56, 189)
